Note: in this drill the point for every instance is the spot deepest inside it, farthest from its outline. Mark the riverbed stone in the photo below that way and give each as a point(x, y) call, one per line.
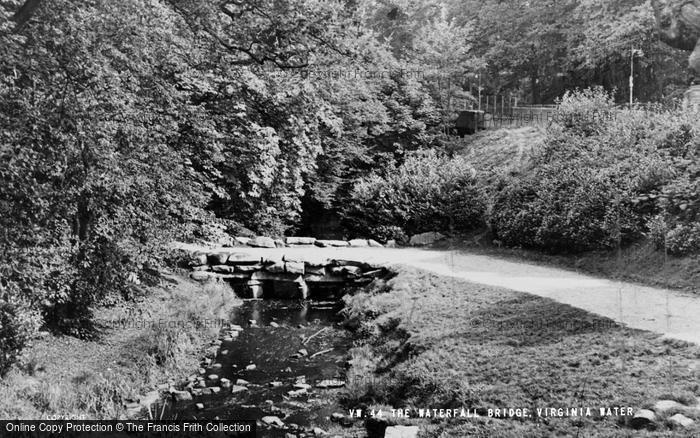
point(262, 242)
point(225, 383)
point(304, 386)
point(274, 325)
point(242, 382)
point(213, 377)
point(251, 367)
point(297, 392)
point(237, 389)
point(275, 384)
point(681, 420)
point(271, 420)
point(428, 238)
point(319, 432)
point(330, 384)
point(199, 406)
point(401, 432)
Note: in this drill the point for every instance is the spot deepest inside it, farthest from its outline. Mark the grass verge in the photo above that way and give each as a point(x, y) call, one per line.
point(430, 342)
point(143, 346)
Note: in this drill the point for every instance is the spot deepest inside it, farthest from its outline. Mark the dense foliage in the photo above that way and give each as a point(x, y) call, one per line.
point(599, 179)
point(127, 124)
point(426, 192)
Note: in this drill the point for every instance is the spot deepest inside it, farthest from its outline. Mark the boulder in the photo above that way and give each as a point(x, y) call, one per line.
point(217, 258)
point(276, 268)
point(358, 243)
point(243, 259)
point(681, 420)
point(241, 240)
point(223, 269)
point(262, 242)
point(247, 269)
point(331, 243)
point(663, 406)
point(401, 432)
point(294, 267)
point(425, 238)
point(644, 418)
point(300, 240)
point(200, 276)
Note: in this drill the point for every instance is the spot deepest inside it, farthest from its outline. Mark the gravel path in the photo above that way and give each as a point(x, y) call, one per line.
point(671, 313)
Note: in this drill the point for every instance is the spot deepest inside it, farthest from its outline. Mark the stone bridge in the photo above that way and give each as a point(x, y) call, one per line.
point(256, 270)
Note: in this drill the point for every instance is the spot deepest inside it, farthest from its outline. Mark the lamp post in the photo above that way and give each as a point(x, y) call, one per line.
point(633, 52)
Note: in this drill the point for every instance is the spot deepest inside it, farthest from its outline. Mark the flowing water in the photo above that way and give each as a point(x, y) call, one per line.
point(266, 356)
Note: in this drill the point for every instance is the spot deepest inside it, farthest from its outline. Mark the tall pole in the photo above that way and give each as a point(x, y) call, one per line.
point(632, 77)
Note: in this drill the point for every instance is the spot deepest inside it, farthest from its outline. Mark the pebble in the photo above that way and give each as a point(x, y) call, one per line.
point(225, 383)
point(235, 389)
point(199, 406)
point(213, 377)
point(242, 382)
point(275, 384)
point(216, 366)
point(272, 420)
point(251, 367)
point(274, 324)
point(325, 384)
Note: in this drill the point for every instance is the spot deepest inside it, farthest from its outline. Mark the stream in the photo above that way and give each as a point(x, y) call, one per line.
point(272, 365)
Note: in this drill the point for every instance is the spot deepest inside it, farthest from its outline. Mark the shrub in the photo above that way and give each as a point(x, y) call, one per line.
point(683, 240)
point(16, 327)
point(427, 192)
point(585, 112)
point(585, 188)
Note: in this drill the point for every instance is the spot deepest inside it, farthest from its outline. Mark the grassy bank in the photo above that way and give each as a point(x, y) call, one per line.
point(433, 342)
point(142, 345)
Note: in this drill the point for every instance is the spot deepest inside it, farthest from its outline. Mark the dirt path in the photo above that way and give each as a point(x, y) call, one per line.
point(671, 313)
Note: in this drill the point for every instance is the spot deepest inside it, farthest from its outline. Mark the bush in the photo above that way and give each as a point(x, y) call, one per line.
point(16, 327)
point(585, 112)
point(427, 192)
point(683, 240)
point(584, 189)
